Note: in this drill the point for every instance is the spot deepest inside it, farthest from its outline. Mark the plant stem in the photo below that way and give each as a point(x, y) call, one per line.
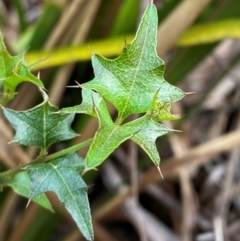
point(10, 172)
point(68, 150)
point(49, 157)
point(118, 121)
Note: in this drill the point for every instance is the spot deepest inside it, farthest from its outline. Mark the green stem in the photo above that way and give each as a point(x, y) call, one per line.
point(12, 171)
point(68, 150)
point(42, 153)
point(49, 157)
point(118, 121)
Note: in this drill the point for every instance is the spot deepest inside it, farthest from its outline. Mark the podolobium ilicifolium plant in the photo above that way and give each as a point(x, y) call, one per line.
point(133, 83)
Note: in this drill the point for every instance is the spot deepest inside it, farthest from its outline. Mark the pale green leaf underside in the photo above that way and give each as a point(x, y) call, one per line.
point(21, 185)
point(131, 80)
point(62, 177)
point(40, 126)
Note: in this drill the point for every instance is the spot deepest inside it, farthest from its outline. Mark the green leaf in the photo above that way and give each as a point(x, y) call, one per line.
point(131, 80)
point(144, 131)
point(105, 141)
point(13, 71)
point(146, 137)
point(61, 176)
point(40, 126)
point(109, 136)
point(7, 63)
point(21, 185)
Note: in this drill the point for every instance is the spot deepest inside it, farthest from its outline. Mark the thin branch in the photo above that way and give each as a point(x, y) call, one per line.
point(170, 167)
point(48, 158)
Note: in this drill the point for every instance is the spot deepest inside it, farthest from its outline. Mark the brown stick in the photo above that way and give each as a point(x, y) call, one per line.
point(170, 168)
point(177, 22)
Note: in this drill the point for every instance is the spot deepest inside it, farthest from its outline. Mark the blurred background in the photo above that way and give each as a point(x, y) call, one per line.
point(199, 197)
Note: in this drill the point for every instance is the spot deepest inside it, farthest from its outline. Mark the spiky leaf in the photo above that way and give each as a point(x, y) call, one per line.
point(131, 80)
point(109, 136)
point(62, 177)
point(40, 126)
point(13, 71)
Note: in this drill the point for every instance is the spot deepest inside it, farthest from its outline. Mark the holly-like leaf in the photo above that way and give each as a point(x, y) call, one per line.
point(131, 80)
point(109, 136)
point(144, 131)
point(62, 177)
point(13, 71)
point(40, 126)
point(7, 63)
point(21, 185)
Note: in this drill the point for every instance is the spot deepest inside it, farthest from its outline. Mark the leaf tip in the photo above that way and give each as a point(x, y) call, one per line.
point(175, 130)
point(159, 170)
point(10, 142)
point(79, 85)
point(75, 86)
point(28, 203)
point(189, 93)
